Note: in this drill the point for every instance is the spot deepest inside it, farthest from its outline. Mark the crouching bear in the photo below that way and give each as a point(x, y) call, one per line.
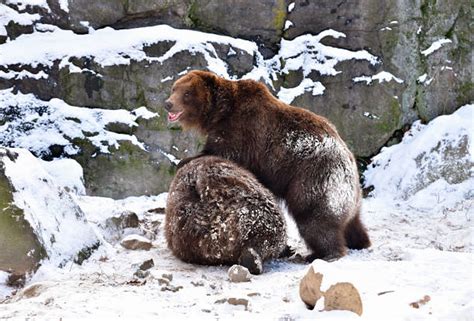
point(218, 213)
point(296, 154)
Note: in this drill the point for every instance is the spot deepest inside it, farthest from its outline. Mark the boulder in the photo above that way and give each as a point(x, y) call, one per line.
point(39, 219)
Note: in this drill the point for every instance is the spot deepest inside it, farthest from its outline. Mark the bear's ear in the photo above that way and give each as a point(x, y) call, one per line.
point(209, 79)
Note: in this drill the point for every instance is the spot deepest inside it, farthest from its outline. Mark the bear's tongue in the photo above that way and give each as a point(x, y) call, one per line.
point(174, 116)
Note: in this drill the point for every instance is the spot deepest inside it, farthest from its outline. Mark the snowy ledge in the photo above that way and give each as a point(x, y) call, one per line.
point(35, 124)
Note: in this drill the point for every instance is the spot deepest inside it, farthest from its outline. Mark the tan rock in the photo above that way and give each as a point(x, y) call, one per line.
point(310, 288)
point(343, 296)
point(238, 301)
point(136, 242)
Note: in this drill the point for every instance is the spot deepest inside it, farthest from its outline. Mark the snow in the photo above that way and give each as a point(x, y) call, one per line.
point(143, 112)
point(22, 4)
point(423, 79)
point(35, 124)
point(422, 245)
point(308, 54)
point(115, 47)
point(287, 95)
point(7, 14)
point(291, 6)
point(170, 157)
point(382, 76)
point(22, 74)
point(435, 46)
point(64, 5)
point(288, 25)
point(67, 173)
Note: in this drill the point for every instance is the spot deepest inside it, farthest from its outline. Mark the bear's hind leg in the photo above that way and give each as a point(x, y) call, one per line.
point(356, 234)
point(324, 237)
point(250, 259)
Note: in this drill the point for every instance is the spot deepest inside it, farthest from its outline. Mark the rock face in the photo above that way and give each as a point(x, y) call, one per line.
point(38, 219)
point(422, 50)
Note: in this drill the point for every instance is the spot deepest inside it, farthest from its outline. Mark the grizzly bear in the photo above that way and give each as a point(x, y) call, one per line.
point(295, 153)
point(218, 213)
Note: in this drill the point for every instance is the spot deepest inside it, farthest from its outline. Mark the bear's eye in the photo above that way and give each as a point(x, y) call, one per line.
point(187, 94)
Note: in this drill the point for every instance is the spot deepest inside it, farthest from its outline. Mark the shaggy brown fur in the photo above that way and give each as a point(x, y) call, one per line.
point(218, 213)
point(296, 154)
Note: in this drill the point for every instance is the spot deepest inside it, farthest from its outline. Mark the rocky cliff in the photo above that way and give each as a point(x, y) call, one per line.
point(100, 71)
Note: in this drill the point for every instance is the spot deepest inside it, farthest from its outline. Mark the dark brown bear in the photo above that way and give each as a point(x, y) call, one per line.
point(218, 213)
point(296, 154)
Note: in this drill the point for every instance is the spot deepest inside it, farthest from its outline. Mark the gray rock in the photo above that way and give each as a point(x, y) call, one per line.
point(238, 273)
point(168, 276)
point(141, 274)
point(171, 288)
point(124, 220)
point(146, 265)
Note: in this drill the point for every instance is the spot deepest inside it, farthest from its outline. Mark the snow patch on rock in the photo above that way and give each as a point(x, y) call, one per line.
point(442, 149)
point(35, 124)
point(55, 217)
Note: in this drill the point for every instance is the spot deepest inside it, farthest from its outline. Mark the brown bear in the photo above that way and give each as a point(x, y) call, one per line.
point(295, 153)
point(218, 213)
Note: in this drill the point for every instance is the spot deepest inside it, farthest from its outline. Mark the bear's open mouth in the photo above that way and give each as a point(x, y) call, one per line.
point(172, 117)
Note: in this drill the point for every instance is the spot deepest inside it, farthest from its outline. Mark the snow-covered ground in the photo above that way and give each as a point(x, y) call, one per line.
point(422, 246)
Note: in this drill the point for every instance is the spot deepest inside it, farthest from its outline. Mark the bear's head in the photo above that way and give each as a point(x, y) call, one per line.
point(195, 100)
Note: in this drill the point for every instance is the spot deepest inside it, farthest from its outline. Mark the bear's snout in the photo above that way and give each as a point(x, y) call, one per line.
point(168, 105)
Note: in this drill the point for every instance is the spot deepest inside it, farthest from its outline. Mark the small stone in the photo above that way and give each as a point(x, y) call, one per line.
point(146, 265)
point(164, 281)
point(136, 242)
point(197, 283)
point(126, 219)
point(253, 294)
point(220, 301)
point(417, 304)
point(171, 288)
point(168, 276)
point(238, 301)
point(49, 301)
point(343, 296)
point(310, 288)
point(239, 273)
point(141, 274)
